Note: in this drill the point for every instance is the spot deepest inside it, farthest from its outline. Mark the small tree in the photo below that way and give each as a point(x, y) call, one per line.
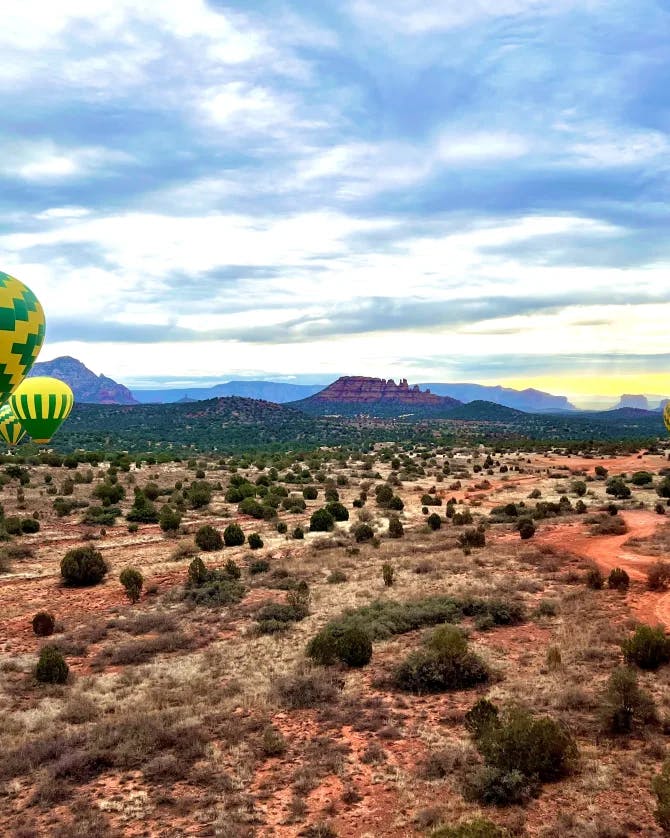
point(625, 702)
point(355, 647)
point(44, 624)
point(298, 533)
point(387, 574)
point(197, 572)
point(363, 532)
point(434, 521)
point(255, 541)
point(132, 580)
point(170, 519)
point(321, 521)
point(396, 529)
point(233, 536)
point(51, 667)
point(209, 539)
point(594, 578)
point(526, 528)
point(83, 566)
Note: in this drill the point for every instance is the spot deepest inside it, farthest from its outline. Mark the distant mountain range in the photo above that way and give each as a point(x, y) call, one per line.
point(529, 401)
point(86, 385)
point(269, 391)
point(99, 389)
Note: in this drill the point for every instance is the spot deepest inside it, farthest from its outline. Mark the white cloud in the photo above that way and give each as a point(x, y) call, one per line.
point(45, 161)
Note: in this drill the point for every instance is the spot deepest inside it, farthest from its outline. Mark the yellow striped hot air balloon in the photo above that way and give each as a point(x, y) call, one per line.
point(10, 427)
point(41, 405)
point(21, 333)
point(666, 415)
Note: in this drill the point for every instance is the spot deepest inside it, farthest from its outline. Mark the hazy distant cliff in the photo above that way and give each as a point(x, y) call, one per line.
point(86, 385)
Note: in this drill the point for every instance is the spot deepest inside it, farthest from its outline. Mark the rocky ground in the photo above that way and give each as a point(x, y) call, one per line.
point(175, 719)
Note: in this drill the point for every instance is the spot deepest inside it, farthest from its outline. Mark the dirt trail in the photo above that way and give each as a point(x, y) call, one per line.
point(609, 552)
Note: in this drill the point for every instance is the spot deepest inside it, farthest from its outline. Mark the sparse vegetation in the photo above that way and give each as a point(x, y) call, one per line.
point(83, 566)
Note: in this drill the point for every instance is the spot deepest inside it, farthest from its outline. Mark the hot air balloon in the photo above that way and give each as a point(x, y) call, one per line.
point(21, 333)
point(41, 405)
point(666, 415)
point(10, 427)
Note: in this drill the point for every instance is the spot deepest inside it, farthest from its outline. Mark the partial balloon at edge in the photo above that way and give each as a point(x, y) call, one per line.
point(41, 405)
point(11, 429)
point(666, 415)
point(22, 329)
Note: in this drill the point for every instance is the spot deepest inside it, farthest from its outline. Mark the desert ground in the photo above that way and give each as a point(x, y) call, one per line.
point(182, 718)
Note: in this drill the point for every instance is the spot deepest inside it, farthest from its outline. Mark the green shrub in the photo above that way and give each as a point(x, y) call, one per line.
point(354, 647)
point(444, 664)
point(281, 528)
point(213, 587)
point(310, 493)
point(51, 667)
point(363, 532)
point(539, 748)
point(233, 536)
point(642, 478)
point(617, 488)
point(625, 702)
point(618, 579)
point(481, 716)
point(321, 521)
point(12, 525)
point(492, 786)
point(396, 529)
point(259, 566)
point(132, 580)
point(387, 574)
point(208, 538)
point(169, 519)
point(199, 494)
point(434, 521)
point(526, 528)
point(338, 511)
point(660, 785)
point(44, 624)
point(83, 566)
point(298, 533)
point(472, 538)
point(579, 488)
point(29, 525)
point(250, 506)
point(197, 572)
point(255, 541)
point(143, 511)
point(647, 648)
point(476, 828)
point(336, 577)
point(98, 516)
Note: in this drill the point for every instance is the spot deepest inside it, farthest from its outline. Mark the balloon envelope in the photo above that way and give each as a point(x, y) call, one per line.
point(10, 427)
point(41, 405)
point(666, 415)
point(21, 332)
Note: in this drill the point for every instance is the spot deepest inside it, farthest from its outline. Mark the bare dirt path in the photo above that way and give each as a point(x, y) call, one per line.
point(609, 552)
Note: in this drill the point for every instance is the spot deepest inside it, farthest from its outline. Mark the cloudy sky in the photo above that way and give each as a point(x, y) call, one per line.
point(434, 189)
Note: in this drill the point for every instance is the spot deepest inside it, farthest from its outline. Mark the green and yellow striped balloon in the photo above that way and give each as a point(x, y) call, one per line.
point(41, 405)
point(666, 415)
point(21, 333)
point(10, 427)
